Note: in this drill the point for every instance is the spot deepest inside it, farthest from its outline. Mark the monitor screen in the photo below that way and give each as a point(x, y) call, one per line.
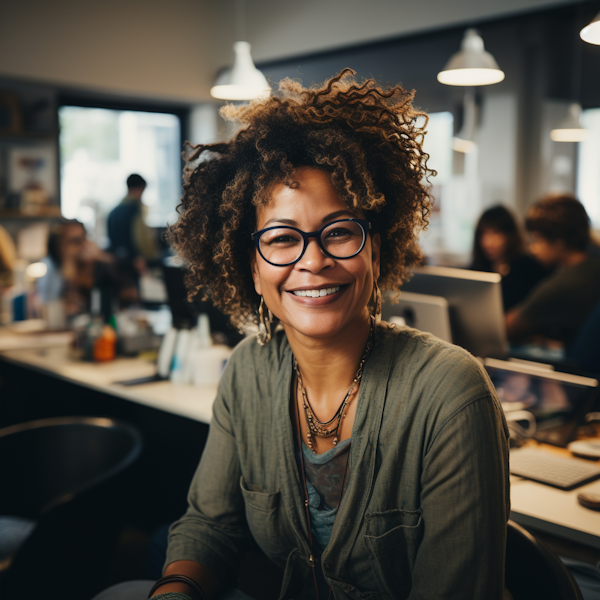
point(558, 401)
point(475, 306)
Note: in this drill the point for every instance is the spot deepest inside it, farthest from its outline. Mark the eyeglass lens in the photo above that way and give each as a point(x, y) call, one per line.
point(284, 245)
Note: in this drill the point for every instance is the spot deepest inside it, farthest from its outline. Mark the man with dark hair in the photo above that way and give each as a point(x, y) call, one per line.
point(559, 306)
point(136, 182)
point(131, 240)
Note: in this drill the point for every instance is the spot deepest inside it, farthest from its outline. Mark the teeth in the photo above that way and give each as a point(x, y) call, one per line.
point(317, 293)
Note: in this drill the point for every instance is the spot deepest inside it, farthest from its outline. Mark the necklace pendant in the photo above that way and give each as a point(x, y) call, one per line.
point(335, 441)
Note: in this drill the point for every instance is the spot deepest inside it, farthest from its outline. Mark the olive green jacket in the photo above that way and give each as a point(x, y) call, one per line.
point(427, 498)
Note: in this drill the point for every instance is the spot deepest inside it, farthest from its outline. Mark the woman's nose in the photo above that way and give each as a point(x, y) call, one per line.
point(314, 259)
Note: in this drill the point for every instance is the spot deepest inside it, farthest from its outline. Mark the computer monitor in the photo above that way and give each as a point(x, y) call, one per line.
point(423, 312)
point(186, 313)
point(475, 306)
point(558, 401)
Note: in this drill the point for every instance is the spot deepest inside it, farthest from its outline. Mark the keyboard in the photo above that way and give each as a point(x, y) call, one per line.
point(558, 471)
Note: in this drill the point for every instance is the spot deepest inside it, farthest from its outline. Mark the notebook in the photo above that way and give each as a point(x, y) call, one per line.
point(558, 401)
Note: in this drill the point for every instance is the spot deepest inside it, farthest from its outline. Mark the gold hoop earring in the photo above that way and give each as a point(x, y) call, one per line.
point(265, 318)
point(377, 303)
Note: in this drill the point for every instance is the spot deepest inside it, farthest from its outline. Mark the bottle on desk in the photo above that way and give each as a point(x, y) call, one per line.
point(100, 338)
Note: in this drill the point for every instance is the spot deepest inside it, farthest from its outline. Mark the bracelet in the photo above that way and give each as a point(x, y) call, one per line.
point(181, 579)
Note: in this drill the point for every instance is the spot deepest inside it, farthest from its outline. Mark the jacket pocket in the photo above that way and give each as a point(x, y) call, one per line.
point(263, 517)
point(393, 538)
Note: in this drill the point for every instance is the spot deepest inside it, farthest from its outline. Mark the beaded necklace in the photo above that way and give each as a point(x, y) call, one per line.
point(326, 429)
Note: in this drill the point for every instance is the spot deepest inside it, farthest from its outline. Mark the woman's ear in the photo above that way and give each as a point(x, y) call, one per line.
point(376, 255)
point(255, 272)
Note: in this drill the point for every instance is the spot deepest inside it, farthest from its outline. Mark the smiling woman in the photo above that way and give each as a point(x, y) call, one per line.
point(368, 461)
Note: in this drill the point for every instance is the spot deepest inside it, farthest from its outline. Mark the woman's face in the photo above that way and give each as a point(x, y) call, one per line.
point(308, 207)
point(494, 243)
point(72, 241)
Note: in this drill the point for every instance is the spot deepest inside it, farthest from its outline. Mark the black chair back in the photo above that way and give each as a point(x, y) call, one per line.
point(534, 571)
point(70, 475)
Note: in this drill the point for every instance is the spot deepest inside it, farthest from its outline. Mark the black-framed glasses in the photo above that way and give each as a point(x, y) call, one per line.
point(282, 245)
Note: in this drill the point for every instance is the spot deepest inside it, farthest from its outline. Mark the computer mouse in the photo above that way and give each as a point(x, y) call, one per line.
point(589, 500)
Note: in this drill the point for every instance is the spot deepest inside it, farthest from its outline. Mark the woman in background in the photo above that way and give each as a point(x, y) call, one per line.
point(71, 266)
point(498, 248)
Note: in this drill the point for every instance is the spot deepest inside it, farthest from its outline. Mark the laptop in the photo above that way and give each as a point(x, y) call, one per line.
point(558, 401)
point(421, 311)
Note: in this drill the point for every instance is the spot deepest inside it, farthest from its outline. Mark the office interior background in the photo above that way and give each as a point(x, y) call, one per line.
point(91, 92)
point(165, 60)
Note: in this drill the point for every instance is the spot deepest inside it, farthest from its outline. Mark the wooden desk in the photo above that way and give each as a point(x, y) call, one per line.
point(567, 526)
point(53, 360)
point(39, 380)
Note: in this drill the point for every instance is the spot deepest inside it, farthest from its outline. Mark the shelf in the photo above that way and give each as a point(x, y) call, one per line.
point(43, 212)
point(28, 136)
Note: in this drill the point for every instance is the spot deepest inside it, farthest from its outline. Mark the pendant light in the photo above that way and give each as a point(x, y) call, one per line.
point(570, 128)
point(472, 65)
point(591, 33)
point(243, 81)
point(463, 141)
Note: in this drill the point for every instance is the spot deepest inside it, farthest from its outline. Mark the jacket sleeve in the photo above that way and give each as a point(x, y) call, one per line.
point(213, 531)
point(465, 505)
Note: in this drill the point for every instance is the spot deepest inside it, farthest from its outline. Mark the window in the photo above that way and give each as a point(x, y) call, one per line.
point(588, 172)
point(438, 144)
point(100, 148)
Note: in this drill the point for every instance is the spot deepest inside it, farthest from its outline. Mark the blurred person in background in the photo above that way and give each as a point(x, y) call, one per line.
point(557, 309)
point(131, 240)
point(498, 247)
point(8, 256)
point(70, 267)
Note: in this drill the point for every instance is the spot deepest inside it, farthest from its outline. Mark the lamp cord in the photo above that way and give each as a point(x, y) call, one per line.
point(240, 20)
point(577, 57)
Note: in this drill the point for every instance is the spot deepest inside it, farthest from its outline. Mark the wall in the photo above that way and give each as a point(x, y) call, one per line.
point(279, 29)
point(172, 50)
point(152, 49)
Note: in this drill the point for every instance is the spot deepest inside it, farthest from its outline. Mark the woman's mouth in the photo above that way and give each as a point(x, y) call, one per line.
point(317, 293)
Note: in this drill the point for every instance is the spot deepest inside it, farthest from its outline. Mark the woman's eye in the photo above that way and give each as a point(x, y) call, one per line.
point(339, 232)
point(280, 239)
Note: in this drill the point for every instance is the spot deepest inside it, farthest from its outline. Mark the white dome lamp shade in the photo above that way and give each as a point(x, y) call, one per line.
point(591, 33)
point(472, 65)
point(243, 81)
point(570, 129)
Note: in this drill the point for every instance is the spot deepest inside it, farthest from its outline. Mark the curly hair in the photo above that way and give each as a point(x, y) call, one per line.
point(369, 138)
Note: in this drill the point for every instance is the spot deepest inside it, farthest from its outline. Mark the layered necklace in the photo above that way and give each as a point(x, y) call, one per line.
point(327, 429)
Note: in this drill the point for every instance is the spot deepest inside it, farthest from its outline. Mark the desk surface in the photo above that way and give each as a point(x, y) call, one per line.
point(51, 357)
point(555, 511)
point(534, 505)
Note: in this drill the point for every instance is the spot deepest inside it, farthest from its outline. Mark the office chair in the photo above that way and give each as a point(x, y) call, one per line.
point(533, 571)
point(63, 485)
